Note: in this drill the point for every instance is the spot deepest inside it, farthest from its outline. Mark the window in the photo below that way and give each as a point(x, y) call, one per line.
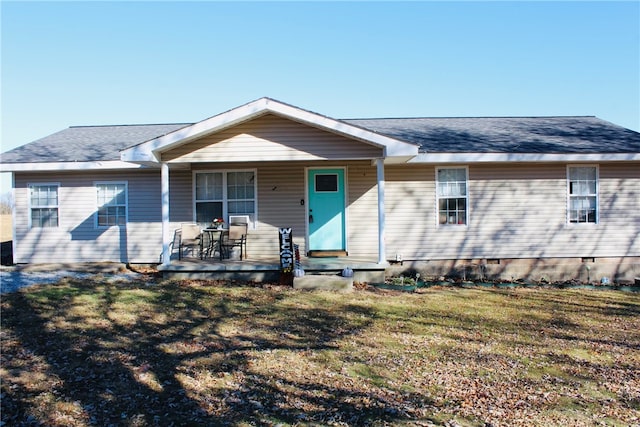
point(112, 204)
point(452, 196)
point(583, 194)
point(43, 200)
point(221, 194)
point(209, 197)
point(326, 183)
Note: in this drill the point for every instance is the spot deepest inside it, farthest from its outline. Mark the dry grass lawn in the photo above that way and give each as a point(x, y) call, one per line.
point(85, 353)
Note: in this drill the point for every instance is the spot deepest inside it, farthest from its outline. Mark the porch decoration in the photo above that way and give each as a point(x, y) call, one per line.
point(286, 256)
point(217, 223)
point(286, 250)
point(298, 271)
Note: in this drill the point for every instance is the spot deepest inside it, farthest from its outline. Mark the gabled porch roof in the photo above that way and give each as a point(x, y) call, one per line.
point(149, 152)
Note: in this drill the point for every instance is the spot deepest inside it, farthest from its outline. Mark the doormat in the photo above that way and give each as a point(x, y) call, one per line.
point(327, 254)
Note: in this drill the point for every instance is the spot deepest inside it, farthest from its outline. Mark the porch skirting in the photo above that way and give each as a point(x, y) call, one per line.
point(621, 270)
point(615, 269)
point(268, 270)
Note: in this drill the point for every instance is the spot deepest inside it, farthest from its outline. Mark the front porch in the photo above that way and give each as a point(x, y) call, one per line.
point(280, 167)
point(266, 270)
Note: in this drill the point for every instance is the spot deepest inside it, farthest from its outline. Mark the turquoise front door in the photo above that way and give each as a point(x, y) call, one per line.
point(326, 211)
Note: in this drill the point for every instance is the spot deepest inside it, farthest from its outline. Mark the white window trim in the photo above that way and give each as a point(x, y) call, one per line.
point(40, 184)
point(568, 216)
point(126, 203)
point(225, 200)
point(437, 196)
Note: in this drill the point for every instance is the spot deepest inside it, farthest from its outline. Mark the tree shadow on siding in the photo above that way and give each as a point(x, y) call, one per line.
point(490, 230)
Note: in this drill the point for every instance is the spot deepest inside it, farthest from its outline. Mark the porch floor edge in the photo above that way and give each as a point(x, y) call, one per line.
point(262, 270)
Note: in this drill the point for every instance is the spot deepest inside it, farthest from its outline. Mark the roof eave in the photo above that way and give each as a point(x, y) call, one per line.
point(435, 158)
point(70, 166)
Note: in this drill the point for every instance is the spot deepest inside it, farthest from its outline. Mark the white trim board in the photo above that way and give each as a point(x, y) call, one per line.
point(466, 158)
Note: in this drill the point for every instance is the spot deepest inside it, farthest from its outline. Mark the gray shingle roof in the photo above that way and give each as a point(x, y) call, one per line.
point(86, 143)
point(450, 135)
point(508, 134)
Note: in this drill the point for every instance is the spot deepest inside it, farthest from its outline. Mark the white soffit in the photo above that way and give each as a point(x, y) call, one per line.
point(150, 150)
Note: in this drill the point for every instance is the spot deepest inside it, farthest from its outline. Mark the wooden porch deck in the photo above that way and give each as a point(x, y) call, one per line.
point(264, 270)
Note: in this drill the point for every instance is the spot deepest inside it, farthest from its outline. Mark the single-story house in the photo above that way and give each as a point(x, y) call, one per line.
point(513, 196)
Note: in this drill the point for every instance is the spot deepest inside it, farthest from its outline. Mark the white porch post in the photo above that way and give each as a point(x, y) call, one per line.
point(166, 231)
point(382, 256)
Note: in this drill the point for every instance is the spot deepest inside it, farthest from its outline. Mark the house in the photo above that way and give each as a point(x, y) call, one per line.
point(517, 197)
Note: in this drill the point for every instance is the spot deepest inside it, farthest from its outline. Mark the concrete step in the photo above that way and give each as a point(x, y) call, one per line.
point(323, 282)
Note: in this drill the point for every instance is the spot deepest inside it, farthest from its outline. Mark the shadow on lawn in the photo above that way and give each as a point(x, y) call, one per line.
point(183, 357)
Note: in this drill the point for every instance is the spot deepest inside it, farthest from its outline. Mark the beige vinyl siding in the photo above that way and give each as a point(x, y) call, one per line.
point(76, 239)
point(410, 211)
point(281, 187)
point(180, 196)
point(515, 211)
point(271, 138)
point(362, 213)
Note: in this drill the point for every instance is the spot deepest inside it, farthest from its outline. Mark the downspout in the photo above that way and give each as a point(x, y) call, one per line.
point(166, 231)
point(382, 256)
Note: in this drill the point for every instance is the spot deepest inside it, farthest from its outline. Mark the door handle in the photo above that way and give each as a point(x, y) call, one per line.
point(310, 216)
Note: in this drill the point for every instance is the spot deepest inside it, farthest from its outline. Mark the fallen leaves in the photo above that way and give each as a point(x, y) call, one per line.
point(206, 353)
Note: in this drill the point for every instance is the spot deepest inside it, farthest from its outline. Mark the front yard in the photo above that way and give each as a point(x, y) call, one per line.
point(156, 352)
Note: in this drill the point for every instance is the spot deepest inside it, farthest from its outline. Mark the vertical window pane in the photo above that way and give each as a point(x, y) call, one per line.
point(583, 189)
point(240, 185)
point(452, 196)
point(44, 205)
point(209, 186)
point(207, 211)
point(112, 204)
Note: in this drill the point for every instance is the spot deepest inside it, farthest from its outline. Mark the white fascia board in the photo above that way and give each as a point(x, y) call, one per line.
point(150, 150)
point(522, 158)
point(69, 166)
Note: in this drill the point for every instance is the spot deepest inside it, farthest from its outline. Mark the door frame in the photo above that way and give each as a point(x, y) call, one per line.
point(346, 205)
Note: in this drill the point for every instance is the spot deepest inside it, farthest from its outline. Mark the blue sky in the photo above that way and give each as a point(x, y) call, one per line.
point(83, 63)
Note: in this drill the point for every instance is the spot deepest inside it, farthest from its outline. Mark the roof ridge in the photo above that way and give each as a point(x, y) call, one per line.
point(351, 118)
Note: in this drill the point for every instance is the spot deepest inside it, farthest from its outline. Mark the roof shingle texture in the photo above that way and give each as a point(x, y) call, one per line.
point(508, 134)
point(86, 143)
point(449, 135)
